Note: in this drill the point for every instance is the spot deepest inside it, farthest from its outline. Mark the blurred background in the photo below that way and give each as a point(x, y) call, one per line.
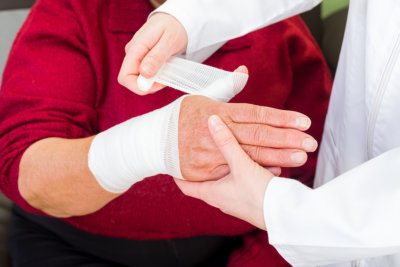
point(326, 22)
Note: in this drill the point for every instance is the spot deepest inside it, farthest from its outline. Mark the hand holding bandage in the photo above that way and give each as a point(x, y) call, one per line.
point(161, 37)
point(175, 140)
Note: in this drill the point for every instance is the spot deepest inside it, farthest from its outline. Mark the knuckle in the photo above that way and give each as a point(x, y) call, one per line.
point(290, 137)
point(220, 109)
point(259, 134)
point(258, 113)
point(151, 62)
point(262, 114)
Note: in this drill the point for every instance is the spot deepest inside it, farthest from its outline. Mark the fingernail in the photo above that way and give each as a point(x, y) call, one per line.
point(309, 144)
point(215, 122)
point(298, 157)
point(303, 122)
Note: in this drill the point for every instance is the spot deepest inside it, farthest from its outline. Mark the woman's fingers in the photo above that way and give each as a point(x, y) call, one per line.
point(272, 137)
point(269, 116)
point(266, 156)
point(161, 37)
point(129, 72)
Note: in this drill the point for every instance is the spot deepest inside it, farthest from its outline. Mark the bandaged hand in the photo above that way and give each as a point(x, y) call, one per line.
point(241, 192)
point(175, 140)
point(161, 37)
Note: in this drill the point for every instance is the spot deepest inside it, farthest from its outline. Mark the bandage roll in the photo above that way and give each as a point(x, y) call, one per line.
point(195, 78)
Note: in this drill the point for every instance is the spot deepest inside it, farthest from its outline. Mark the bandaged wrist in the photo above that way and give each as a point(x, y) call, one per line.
point(141, 147)
point(148, 145)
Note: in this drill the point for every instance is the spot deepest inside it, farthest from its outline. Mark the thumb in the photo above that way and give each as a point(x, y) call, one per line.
point(200, 190)
point(227, 143)
point(156, 57)
point(242, 69)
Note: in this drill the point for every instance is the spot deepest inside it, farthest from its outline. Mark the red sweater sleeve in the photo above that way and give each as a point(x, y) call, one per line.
point(255, 252)
point(48, 89)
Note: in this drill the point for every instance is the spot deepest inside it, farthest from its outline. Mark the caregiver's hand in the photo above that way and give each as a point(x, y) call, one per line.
point(240, 193)
point(161, 37)
point(271, 137)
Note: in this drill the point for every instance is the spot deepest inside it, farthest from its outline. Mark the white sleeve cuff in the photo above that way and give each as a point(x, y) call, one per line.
point(354, 216)
point(280, 193)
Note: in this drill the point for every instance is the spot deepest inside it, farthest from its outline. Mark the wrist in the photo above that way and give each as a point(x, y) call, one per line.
point(141, 147)
point(259, 203)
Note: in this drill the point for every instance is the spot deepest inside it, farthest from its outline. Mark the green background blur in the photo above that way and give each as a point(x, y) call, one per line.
point(331, 6)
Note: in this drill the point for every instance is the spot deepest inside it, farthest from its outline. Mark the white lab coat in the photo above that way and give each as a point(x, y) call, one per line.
point(352, 218)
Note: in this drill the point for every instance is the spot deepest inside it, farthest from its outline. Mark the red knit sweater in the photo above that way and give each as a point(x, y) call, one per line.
point(61, 81)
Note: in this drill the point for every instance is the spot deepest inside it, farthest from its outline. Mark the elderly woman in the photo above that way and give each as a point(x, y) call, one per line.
point(60, 89)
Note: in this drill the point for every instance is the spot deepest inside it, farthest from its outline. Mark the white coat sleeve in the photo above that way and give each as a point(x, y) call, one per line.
point(354, 216)
point(210, 23)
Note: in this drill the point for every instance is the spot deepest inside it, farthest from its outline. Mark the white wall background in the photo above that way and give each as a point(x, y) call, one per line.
point(10, 22)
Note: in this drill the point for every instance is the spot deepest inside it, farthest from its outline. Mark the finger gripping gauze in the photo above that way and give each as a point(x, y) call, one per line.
point(147, 145)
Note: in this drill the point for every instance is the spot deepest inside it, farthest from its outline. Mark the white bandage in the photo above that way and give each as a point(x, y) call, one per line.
point(141, 147)
point(195, 78)
point(147, 145)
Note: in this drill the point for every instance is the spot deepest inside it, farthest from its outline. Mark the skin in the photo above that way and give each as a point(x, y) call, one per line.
point(54, 177)
point(159, 38)
point(241, 192)
point(260, 136)
point(156, 3)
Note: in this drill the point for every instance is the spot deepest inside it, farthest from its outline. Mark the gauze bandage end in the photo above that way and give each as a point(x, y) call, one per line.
point(141, 147)
point(145, 84)
point(195, 78)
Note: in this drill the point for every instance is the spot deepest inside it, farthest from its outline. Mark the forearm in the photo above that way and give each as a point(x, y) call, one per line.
point(70, 177)
point(54, 177)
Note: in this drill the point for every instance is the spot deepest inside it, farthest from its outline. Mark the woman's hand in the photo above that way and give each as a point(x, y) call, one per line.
point(241, 192)
point(161, 37)
point(271, 137)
